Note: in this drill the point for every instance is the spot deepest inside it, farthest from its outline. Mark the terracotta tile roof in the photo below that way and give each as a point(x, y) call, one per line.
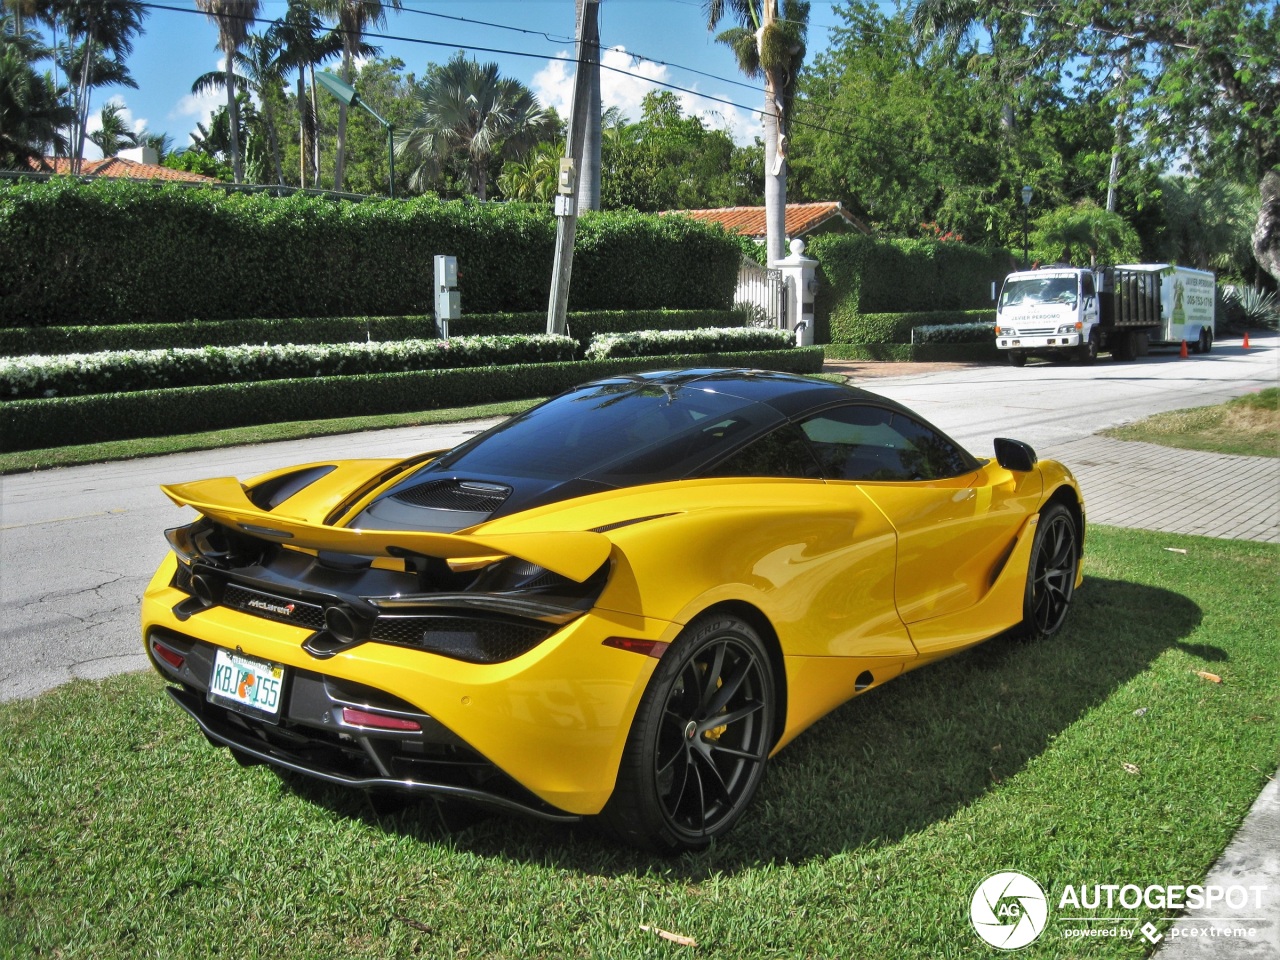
point(801, 218)
point(118, 167)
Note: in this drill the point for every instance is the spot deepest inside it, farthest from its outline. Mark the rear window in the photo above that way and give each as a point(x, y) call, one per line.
point(619, 432)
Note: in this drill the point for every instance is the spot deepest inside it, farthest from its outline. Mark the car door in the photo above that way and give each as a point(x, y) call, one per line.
point(956, 518)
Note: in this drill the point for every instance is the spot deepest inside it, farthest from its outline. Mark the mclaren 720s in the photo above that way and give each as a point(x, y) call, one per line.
point(617, 605)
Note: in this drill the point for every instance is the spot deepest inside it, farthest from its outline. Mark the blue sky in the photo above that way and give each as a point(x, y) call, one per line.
point(180, 45)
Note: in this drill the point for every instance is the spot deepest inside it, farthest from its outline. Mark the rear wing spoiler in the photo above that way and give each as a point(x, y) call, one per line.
point(575, 554)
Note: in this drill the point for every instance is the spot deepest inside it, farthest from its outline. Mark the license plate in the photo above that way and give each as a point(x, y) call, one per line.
point(246, 685)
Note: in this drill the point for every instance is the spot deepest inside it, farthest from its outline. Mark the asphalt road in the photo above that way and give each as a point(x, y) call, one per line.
point(78, 544)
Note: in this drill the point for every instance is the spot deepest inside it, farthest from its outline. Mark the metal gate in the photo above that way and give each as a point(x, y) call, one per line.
point(763, 293)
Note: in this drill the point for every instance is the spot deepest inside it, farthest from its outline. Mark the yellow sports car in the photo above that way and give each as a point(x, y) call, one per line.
point(618, 604)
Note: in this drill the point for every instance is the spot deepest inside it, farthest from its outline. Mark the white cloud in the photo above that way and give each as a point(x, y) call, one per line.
point(624, 81)
point(196, 108)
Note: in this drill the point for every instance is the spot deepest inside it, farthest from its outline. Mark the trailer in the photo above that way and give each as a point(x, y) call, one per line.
point(1077, 312)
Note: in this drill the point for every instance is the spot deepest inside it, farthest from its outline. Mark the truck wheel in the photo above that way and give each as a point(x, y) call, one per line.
point(1089, 349)
point(1206, 341)
point(1018, 359)
point(1125, 346)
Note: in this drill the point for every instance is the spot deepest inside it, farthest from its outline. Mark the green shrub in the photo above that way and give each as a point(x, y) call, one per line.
point(954, 333)
point(652, 343)
point(127, 370)
point(19, 341)
point(897, 327)
point(861, 275)
point(914, 352)
point(32, 424)
point(116, 251)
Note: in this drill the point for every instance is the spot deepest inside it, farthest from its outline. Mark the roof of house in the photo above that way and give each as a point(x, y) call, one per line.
point(801, 218)
point(118, 167)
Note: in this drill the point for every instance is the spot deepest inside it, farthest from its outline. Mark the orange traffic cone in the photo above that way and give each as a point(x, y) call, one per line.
point(1183, 352)
point(1246, 339)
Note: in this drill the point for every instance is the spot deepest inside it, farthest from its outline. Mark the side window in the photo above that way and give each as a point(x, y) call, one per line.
point(1086, 285)
point(780, 453)
point(864, 442)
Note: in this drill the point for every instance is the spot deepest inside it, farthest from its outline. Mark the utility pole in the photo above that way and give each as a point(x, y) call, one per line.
point(571, 165)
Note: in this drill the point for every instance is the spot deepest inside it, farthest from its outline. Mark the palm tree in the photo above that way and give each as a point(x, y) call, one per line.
point(114, 135)
point(262, 68)
point(466, 108)
point(354, 17)
point(534, 177)
point(306, 43)
point(772, 47)
point(32, 113)
point(96, 29)
point(233, 19)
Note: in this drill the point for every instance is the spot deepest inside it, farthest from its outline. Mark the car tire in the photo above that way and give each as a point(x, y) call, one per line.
point(1051, 574)
point(696, 752)
point(1018, 359)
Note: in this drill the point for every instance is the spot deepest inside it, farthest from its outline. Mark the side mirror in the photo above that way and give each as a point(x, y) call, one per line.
point(1015, 455)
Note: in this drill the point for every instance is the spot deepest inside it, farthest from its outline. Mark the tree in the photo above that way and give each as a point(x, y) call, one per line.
point(233, 19)
point(95, 28)
point(774, 48)
point(534, 177)
point(32, 114)
point(354, 17)
point(306, 44)
point(466, 109)
point(1209, 93)
point(1084, 233)
point(262, 68)
point(114, 135)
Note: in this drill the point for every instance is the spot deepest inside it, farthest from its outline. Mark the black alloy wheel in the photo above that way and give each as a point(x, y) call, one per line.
point(1051, 576)
point(697, 749)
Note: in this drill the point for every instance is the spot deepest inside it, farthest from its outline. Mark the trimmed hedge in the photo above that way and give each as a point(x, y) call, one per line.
point(121, 371)
point(33, 424)
point(585, 325)
point(865, 275)
point(665, 342)
point(116, 251)
point(954, 333)
point(897, 327)
point(914, 352)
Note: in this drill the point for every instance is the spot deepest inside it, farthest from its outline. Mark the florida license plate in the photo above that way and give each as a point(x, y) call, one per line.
point(246, 684)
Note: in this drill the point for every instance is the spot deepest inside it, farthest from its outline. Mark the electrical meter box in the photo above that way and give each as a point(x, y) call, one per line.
point(446, 272)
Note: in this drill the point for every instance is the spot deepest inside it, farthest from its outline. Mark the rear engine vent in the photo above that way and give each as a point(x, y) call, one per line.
point(474, 639)
point(456, 495)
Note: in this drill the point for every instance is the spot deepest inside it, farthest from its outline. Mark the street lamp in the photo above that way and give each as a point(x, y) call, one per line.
point(1026, 205)
point(347, 94)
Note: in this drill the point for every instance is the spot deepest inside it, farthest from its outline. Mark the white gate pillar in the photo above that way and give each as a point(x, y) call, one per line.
point(800, 275)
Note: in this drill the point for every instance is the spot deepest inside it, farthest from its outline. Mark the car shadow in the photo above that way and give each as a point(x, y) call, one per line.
point(885, 765)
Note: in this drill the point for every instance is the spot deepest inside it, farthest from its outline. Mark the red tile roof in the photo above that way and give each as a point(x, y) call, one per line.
point(801, 218)
point(118, 167)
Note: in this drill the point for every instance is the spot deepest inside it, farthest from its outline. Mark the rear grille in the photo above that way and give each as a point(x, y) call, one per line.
point(271, 607)
point(464, 638)
point(452, 495)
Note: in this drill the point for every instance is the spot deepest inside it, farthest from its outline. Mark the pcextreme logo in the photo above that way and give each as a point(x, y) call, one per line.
point(1009, 910)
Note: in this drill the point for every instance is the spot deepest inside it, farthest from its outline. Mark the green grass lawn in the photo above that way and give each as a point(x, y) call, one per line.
point(124, 834)
point(1248, 426)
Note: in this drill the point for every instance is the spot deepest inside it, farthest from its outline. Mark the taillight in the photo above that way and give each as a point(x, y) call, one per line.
point(168, 655)
point(378, 721)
